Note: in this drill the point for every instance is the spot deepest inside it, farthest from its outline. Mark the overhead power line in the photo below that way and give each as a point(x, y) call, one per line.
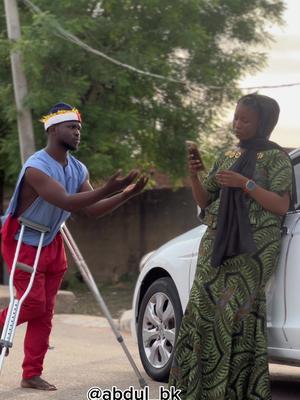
point(194, 87)
point(272, 86)
point(74, 39)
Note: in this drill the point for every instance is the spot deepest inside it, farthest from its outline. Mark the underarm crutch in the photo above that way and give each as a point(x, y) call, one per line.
point(89, 280)
point(15, 304)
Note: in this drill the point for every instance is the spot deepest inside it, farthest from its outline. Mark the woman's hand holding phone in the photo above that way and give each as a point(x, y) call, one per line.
point(195, 162)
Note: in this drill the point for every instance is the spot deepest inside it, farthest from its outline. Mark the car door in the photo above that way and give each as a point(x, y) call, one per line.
point(292, 270)
point(282, 292)
point(275, 292)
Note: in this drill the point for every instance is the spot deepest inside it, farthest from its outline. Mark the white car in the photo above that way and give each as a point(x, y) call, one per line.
point(162, 291)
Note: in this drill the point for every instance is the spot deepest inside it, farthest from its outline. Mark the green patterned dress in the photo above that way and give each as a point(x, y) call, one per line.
point(221, 349)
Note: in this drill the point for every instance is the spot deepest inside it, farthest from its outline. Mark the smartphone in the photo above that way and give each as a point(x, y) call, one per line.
point(192, 149)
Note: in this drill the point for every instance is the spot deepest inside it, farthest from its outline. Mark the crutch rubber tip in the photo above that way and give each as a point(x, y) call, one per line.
point(142, 383)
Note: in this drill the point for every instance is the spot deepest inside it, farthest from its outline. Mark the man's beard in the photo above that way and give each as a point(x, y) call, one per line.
point(68, 146)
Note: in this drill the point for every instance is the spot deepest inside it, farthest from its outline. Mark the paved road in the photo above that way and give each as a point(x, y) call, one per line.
point(86, 354)
point(285, 382)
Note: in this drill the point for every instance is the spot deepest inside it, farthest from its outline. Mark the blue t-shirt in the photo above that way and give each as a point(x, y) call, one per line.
point(71, 177)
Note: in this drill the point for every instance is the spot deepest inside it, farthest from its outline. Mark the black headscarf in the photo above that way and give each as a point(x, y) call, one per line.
point(234, 233)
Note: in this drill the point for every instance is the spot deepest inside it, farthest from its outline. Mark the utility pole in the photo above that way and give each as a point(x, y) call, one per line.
point(25, 129)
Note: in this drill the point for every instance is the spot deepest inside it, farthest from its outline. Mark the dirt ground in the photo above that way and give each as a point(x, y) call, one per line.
point(117, 296)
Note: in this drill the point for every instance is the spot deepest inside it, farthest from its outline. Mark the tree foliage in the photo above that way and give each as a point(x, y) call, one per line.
point(131, 119)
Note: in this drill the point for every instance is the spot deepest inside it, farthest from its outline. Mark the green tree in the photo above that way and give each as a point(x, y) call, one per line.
point(131, 119)
point(9, 151)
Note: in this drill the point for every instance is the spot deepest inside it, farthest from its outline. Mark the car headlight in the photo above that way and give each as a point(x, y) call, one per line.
point(144, 259)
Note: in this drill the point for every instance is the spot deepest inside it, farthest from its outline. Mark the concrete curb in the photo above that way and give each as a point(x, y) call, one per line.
point(64, 305)
point(125, 321)
point(65, 300)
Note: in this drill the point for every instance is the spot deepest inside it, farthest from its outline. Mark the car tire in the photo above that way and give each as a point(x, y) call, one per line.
point(159, 320)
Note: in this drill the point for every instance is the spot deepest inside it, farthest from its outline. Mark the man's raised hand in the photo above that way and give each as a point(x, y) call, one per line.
point(116, 184)
point(135, 188)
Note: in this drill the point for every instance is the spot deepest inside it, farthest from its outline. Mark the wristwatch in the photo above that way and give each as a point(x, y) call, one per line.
point(249, 186)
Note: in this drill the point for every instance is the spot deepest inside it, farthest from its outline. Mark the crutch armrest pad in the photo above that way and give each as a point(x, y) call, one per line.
point(33, 225)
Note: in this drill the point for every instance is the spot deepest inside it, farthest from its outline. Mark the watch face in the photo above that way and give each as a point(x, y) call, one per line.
point(250, 185)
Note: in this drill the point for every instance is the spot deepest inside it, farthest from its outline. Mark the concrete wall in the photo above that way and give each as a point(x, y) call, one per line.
point(113, 245)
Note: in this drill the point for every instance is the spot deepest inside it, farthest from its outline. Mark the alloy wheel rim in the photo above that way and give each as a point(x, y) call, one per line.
point(159, 328)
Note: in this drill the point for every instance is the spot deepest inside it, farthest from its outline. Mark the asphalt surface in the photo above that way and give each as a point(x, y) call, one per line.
point(86, 354)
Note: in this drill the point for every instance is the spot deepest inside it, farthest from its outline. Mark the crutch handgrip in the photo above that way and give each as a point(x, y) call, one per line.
point(33, 225)
point(24, 267)
point(5, 343)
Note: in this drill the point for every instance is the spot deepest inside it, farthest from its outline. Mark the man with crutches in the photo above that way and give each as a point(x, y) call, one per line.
point(51, 185)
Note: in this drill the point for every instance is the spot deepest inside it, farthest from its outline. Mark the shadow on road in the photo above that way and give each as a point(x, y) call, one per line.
point(283, 390)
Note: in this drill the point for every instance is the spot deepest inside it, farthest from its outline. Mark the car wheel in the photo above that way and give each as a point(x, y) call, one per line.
point(159, 319)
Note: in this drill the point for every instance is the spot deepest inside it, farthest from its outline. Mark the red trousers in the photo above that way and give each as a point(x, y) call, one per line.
point(37, 309)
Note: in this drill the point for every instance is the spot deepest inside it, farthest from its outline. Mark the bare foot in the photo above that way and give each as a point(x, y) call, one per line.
point(36, 382)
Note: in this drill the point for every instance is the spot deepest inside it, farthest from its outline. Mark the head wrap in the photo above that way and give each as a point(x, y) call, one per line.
point(61, 112)
point(267, 109)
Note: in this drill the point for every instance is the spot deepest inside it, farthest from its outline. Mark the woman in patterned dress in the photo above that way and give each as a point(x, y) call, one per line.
point(221, 349)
